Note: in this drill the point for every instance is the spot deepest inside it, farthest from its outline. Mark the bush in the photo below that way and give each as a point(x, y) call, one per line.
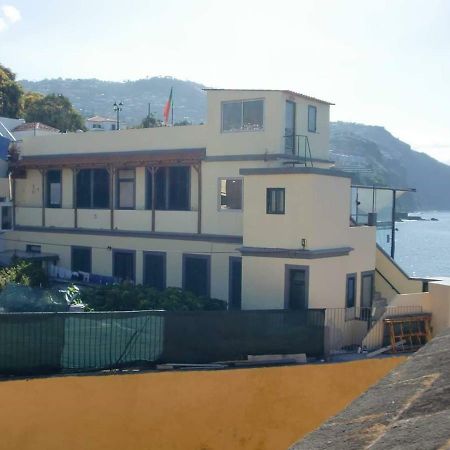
point(26, 273)
point(127, 297)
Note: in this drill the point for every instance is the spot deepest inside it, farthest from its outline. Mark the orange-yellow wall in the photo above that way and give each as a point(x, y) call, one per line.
point(267, 408)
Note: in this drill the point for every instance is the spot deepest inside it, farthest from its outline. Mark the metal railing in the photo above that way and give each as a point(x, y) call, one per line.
point(298, 146)
point(348, 329)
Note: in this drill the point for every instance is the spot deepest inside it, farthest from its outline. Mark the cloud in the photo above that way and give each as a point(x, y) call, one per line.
point(3, 24)
point(11, 13)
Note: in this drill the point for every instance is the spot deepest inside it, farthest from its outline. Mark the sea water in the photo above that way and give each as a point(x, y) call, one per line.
point(422, 247)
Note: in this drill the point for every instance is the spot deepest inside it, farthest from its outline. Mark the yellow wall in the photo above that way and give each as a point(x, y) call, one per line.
point(317, 209)
point(264, 409)
point(396, 277)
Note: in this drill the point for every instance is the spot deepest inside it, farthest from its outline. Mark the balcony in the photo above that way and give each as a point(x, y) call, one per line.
point(298, 146)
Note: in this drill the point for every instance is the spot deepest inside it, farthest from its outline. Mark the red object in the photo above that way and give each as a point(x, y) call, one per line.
point(167, 106)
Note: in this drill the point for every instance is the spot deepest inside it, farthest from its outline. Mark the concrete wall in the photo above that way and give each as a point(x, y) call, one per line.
point(317, 209)
point(264, 409)
point(160, 138)
point(397, 277)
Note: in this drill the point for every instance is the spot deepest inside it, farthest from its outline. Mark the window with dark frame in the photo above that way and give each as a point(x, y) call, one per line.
point(155, 270)
point(350, 296)
point(196, 275)
point(32, 248)
point(275, 201)
point(81, 259)
point(126, 185)
point(6, 217)
point(173, 188)
point(243, 115)
point(230, 193)
point(54, 188)
point(92, 189)
point(124, 265)
point(312, 119)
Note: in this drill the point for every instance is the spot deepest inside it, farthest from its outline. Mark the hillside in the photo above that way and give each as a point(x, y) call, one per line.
point(92, 96)
point(371, 152)
point(377, 157)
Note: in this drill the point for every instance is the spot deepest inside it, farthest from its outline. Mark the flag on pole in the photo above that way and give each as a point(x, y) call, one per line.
point(167, 107)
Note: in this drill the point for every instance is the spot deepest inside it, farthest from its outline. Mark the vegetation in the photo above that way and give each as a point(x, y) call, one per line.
point(127, 297)
point(10, 94)
point(54, 110)
point(25, 273)
point(150, 122)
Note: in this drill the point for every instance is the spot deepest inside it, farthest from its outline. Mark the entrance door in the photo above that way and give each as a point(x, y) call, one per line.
point(289, 128)
point(298, 289)
point(235, 286)
point(367, 289)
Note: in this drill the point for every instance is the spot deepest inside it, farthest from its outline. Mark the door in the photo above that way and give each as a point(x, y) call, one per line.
point(298, 290)
point(367, 289)
point(235, 284)
point(289, 128)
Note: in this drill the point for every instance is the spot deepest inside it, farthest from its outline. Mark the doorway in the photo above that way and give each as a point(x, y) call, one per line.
point(296, 289)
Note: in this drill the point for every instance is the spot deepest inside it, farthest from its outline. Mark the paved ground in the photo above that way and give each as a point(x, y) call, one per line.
point(408, 409)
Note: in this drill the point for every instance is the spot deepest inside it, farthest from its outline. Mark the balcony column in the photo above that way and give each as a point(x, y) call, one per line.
point(74, 197)
point(43, 173)
point(198, 169)
point(153, 170)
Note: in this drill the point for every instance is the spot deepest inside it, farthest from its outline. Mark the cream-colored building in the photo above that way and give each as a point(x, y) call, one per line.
point(246, 208)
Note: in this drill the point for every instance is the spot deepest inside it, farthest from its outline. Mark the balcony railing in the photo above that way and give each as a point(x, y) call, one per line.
point(298, 146)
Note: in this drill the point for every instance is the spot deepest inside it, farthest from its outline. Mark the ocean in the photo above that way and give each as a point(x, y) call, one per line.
point(423, 247)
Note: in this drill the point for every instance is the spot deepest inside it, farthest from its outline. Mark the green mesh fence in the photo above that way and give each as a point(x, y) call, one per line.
point(32, 343)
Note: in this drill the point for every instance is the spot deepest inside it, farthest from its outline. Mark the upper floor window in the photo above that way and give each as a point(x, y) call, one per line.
point(125, 188)
point(243, 115)
point(53, 189)
point(230, 193)
point(312, 119)
point(93, 188)
point(172, 188)
point(275, 201)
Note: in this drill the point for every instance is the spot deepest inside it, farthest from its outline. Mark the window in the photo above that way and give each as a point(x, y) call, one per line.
point(6, 217)
point(53, 193)
point(155, 270)
point(93, 188)
point(126, 180)
point(243, 115)
point(196, 276)
point(31, 248)
point(81, 259)
point(96, 125)
point(230, 193)
point(113, 127)
point(275, 201)
point(124, 265)
point(350, 296)
point(312, 116)
point(172, 186)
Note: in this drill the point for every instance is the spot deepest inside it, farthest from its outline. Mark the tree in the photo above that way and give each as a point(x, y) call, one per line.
point(182, 123)
point(150, 122)
point(10, 94)
point(54, 110)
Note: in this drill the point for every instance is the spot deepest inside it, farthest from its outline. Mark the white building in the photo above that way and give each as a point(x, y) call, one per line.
point(99, 123)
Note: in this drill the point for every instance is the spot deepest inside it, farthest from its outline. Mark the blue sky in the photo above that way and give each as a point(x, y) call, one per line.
point(383, 62)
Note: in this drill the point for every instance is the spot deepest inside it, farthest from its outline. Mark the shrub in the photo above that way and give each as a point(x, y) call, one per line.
point(127, 297)
point(26, 273)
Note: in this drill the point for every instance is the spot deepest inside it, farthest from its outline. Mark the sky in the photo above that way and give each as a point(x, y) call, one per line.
point(382, 62)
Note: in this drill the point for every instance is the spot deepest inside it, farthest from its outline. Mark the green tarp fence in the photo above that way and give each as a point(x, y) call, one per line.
point(33, 343)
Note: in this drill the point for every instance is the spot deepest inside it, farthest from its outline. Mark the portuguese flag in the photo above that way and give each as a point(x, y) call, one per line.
point(167, 107)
